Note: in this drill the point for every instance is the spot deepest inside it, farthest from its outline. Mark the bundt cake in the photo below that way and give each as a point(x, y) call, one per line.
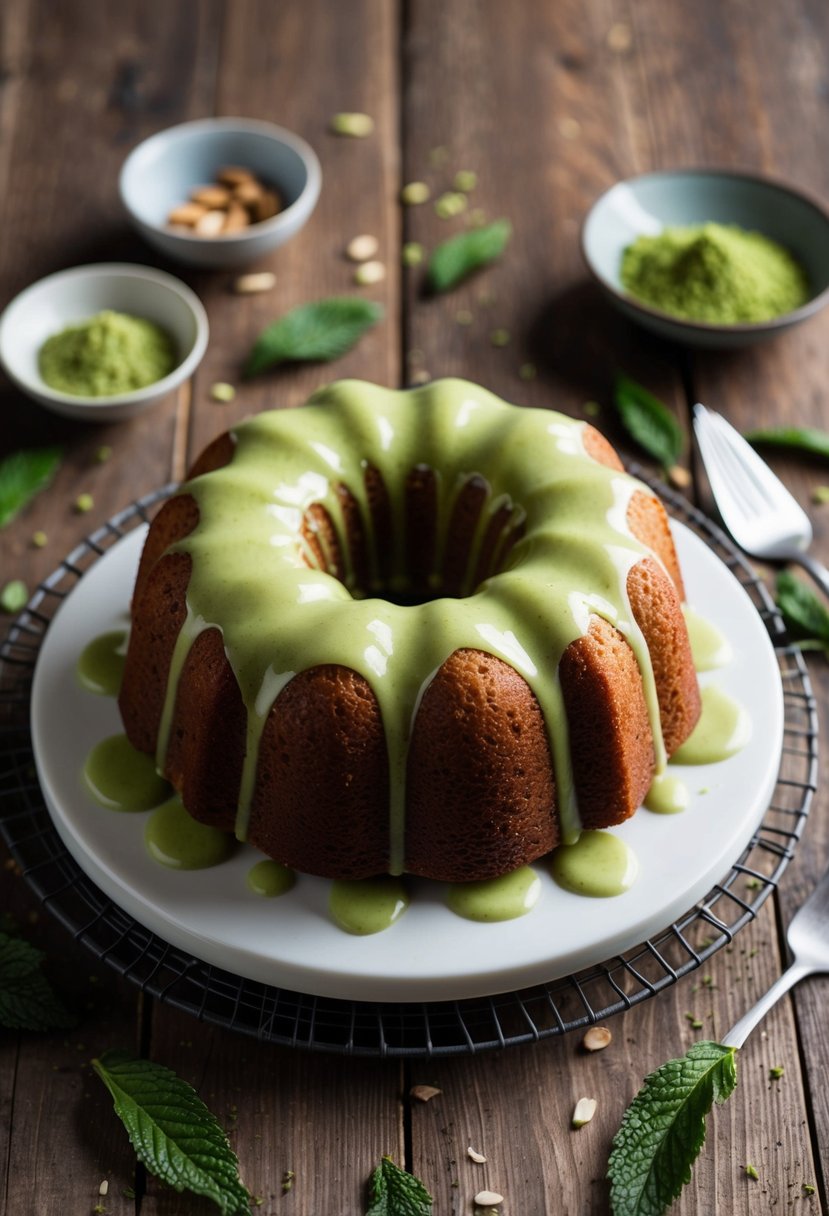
point(421, 631)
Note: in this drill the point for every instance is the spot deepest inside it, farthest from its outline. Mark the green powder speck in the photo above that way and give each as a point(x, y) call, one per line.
point(717, 273)
point(107, 354)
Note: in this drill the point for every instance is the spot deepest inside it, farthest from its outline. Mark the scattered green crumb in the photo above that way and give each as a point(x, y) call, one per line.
point(703, 790)
point(103, 453)
point(592, 409)
point(438, 156)
point(83, 503)
point(14, 596)
point(500, 337)
point(465, 181)
point(751, 1172)
point(820, 494)
point(358, 126)
point(221, 391)
point(708, 981)
point(807, 1188)
point(39, 539)
point(415, 193)
point(128, 1192)
point(753, 952)
point(449, 204)
point(776, 1072)
point(476, 218)
point(464, 317)
point(288, 1180)
point(527, 371)
point(257, 1200)
point(99, 1209)
point(412, 253)
point(753, 884)
point(694, 1021)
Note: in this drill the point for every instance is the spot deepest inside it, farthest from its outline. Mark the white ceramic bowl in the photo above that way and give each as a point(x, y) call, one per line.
point(71, 296)
point(643, 206)
point(159, 174)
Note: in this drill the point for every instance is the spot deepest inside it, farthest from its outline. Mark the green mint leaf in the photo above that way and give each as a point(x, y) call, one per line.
point(393, 1192)
point(456, 258)
point(22, 475)
point(805, 614)
point(173, 1133)
point(663, 1129)
point(802, 439)
point(316, 332)
point(27, 1001)
point(648, 421)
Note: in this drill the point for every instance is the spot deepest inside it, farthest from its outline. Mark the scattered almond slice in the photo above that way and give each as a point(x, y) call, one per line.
point(478, 1158)
point(362, 248)
point(212, 197)
point(236, 217)
point(187, 214)
point(424, 1093)
point(249, 284)
point(584, 1112)
point(596, 1038)
point(679, 477)
point(488, 1199)
point(234, 175)
point(210, 224)
point(369, 273)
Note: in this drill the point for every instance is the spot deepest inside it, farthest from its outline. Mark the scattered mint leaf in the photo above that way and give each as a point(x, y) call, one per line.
point(27, 1001)
point(22, 476)
point(173, 1133)
point(663, 1129)
point(393, 1192)
point(456, 258)
point(805, 615)
point(316, 332)
point(648, 421)
point(802, 439)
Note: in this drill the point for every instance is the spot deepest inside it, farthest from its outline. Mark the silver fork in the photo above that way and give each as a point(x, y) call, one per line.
point(756, 507)
point(808, 939)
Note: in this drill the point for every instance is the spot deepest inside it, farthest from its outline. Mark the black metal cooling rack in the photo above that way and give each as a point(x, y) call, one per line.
point(276, 1015)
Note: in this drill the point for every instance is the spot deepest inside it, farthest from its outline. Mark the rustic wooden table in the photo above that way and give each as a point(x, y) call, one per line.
point(548, 104)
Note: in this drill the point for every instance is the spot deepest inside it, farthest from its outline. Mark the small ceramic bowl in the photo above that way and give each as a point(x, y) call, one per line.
point(643, 206)
point(159, 174)
point(71, 296)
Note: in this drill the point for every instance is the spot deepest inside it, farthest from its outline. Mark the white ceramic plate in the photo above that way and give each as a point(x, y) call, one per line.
point(429, 954)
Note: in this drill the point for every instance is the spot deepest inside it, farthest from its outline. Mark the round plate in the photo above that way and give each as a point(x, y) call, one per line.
point(430, 954)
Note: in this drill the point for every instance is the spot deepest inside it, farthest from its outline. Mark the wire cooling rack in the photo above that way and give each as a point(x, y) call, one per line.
point(276, 1015)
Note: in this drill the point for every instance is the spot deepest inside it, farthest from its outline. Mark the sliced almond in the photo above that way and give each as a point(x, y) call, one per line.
point(237, 217)
point(248, 192)
point(210, 224)
point(596, 1038)
point(478, 1158)
point(369, 273)
point(424, 1093)
point(488, 1199)
point(361, 248)
point(584, 1112)
point(679, 477)
point(214, 197)
point(266, 206)
point(234, 175)
point(188, 214)
point(249, 284)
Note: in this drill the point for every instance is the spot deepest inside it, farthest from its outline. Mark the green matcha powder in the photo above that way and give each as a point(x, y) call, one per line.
point(716, 273)
point(107, 354)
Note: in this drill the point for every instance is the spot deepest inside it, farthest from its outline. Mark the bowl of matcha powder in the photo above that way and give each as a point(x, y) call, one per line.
point(103, 342)
point(709, 258)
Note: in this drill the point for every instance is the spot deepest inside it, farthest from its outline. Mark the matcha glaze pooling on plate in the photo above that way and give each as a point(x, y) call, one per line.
point(279, 616)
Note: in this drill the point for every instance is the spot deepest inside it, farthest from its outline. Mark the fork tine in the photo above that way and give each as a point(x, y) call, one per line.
point(752, 466)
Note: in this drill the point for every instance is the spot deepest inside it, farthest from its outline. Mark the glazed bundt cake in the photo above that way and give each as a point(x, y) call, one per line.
point(421, 631)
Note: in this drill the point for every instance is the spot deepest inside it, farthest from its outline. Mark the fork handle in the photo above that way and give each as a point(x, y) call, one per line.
point(818, 571)
point(740, 1031)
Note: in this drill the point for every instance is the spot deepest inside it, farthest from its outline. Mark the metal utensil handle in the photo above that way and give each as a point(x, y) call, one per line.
point(740, 1031)
point(818, 571)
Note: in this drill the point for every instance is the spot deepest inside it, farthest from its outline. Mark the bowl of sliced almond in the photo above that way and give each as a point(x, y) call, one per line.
point(220, 192)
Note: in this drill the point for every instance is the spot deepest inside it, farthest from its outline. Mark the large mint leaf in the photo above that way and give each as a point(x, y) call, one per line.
point(663, 1129)
point(456, 258)
point(805, 615)
point(393, 1192)
point(27, 1001)
point(316, 332)
point(648, 421)
point(22, 475)
point(173, 1133)
point(800, 438)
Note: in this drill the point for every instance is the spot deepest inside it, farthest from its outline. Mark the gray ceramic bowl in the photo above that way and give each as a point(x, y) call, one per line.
point(159, 174)
point(71, 296)
point(645, 205)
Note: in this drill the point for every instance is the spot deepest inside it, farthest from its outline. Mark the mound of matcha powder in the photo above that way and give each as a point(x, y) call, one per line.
point(109, 353)
point(717, 273)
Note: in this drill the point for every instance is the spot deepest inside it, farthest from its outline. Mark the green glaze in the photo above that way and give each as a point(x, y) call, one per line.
point(668, 795)
point(723, 729)
point(709, 648)
point(101, 664)
point(122, 778)
point(175, 839)
point(598, 864)
point(368, 905)
point(279, 616)
point(502, 898)
point(270, 878)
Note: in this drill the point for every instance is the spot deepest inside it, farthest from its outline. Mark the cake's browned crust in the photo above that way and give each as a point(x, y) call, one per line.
point(480, 789)
point(480, 784)
point(321, 798)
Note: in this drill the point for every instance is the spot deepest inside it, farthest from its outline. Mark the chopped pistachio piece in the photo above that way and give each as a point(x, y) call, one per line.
point(776, 1072)
point(415, 193)
point(362, 248)
point(14, 596)
point(412, 253)
point(751, 1172)
point(500, 337)
point(288, 1181)
point(84, 503)
point(807, 1188)
point(438, 156)
point(39, 539)
point(527, 371)
point(449, 204)
point(358, 126)
point(103, 453)
point(584, 1112)
point(820, 494)
point(220, 391)
point(465, 181)
point(368, 273)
